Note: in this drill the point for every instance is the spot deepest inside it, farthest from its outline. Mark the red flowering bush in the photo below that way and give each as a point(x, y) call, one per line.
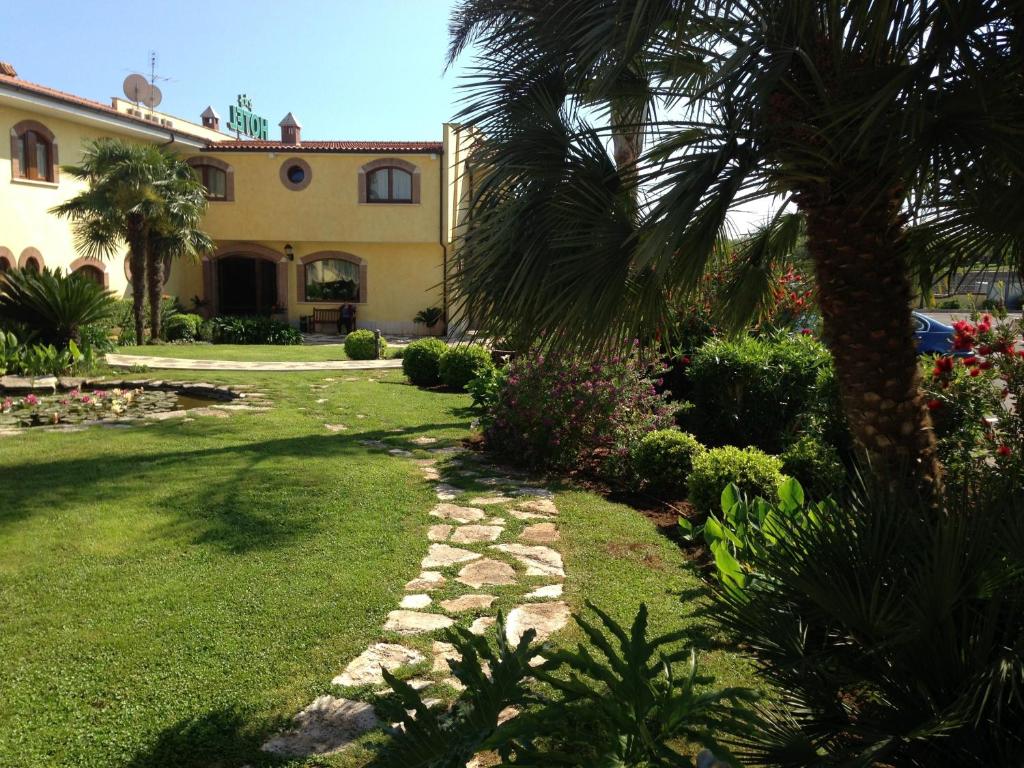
point(570, 414)
point(975, 399)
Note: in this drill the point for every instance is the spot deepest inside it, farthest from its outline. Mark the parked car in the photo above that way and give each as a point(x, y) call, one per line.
point(933, 337)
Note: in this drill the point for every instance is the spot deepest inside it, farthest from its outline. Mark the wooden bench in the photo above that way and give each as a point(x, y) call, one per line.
point(330, 315)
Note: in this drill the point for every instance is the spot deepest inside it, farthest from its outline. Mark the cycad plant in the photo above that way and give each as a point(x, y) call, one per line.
point(53, 306)
point(626, 700)
point(856, 115)
point(893, 632)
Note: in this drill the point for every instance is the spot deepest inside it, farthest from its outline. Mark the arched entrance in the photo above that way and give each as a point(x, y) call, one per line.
point(245, 279)
point(246, 285)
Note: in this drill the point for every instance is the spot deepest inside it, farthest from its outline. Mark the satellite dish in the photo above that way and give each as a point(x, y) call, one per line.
point(140, 90)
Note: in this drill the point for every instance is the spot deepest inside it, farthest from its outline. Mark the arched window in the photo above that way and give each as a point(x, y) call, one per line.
point(217, 176)
point(89, 272)
point(7, 261)
point(32, 265)
point(389, 185)
point(33, 152)
point(333, 279)
point(31, 259)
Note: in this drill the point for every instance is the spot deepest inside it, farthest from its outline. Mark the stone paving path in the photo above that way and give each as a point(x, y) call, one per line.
point(184, 364)
point(482, 553)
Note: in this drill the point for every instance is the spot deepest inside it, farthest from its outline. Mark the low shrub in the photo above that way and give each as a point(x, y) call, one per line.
point(662, 461)
point(756, 391)
point(362, 345)
point(124, 319)
point(183, 327)
point(206, 330)
point(569, 414)
point(753, 472)
point(420, 362)
point(253, 330)
point(485, 389)
point(461, 364)
point(816, 465)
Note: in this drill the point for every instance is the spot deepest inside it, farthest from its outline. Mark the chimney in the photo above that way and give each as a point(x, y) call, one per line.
point(7, 70)
point(211, 119)
point(291, 130)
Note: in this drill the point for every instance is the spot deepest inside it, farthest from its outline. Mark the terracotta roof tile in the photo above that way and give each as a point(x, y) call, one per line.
point(246, 145)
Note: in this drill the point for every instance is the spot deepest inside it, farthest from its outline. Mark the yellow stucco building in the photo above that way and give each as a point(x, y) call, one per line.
point(298, 224)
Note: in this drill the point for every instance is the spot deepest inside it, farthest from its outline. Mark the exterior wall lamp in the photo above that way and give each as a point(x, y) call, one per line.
point(289, 252)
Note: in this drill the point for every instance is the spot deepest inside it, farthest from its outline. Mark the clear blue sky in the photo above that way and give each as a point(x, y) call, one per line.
point(348, 69)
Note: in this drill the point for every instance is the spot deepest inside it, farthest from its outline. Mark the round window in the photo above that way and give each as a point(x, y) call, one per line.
point(296, 175)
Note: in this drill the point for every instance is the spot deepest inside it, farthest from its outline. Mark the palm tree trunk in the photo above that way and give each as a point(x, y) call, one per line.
point(137, 259)
point(862, 279)
point(155, 282)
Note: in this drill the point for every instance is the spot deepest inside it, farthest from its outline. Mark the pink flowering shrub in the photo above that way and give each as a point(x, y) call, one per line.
point(569, 414)
point(976, 399)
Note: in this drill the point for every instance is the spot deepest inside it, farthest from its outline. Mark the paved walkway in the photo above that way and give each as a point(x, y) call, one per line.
point(496, 544)
point(185, 364)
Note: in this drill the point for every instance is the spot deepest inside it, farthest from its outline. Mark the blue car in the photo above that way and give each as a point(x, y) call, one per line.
point(933, 337)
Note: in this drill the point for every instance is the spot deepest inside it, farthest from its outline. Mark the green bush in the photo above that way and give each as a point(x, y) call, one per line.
point(816, 466)
point(754, 472)
point(662, 461)
point(183, 327)
point(362, 345)
point(485, 389)
point(124, 319)
point(420, 363)
point(756, 391)
point(205, 331)
point(253, 330)
point(460, 365)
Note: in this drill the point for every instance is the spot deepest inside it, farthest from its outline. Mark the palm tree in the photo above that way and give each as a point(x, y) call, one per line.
point(855, 114)
point(177, 234)
point(122, 204)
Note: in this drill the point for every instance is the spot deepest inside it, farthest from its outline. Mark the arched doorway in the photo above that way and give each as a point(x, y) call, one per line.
point(89, 272)
point(246, 285)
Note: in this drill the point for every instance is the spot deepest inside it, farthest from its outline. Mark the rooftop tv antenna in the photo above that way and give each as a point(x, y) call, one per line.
point(142, 91)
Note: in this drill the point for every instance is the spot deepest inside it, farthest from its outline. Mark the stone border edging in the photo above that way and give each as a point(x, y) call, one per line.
point(187, 364)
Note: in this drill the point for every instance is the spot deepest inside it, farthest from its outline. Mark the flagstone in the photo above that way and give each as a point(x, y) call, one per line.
point(415, 601)
point(474, 602)
point(335, 427)
point(457, 513)
point(426, 581)
point(539, 560)
point(541, 533)
point(415, 622)
point(443, 556)
point(442, 653)
point(481, 625)
point(474, 534)
point(365, 669)
point(484, 501)
point(518, 514)
point(423, 440)
point(545, 593)
point(326, 726)
point(545, 618)
point(539, 507)
point(487, 572)
point(439, 532)
point(526, 490)
point(446, 492)
point(400, 452)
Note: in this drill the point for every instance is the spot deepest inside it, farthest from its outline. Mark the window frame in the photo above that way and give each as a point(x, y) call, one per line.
point(369, 168)
point(26, 139)
point(199, 165)
point(390, 169)
point(351, 258)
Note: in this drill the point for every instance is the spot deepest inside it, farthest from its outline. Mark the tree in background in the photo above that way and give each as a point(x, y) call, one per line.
point(856, 114)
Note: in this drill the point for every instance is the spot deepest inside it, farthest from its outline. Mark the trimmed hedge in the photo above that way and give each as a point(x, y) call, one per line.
point(362, 345)
point(252, 330)
point(460, 365)
point(754, 472)
point(663, 460)
point(757, 391)
point(816, 465)
point(183, 327)
point(421, 360)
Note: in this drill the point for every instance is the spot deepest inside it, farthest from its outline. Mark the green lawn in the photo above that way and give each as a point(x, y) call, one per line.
point(235, 352)
point(172, 594)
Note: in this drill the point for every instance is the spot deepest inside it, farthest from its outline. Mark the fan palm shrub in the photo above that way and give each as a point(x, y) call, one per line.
point(52, 305)
point(892, 630)
point(857, 116)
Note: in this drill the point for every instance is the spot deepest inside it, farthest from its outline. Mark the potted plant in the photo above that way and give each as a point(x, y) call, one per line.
point(430, 317)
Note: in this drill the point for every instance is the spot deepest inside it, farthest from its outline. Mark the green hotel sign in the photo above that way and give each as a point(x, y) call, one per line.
point(243, 121)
